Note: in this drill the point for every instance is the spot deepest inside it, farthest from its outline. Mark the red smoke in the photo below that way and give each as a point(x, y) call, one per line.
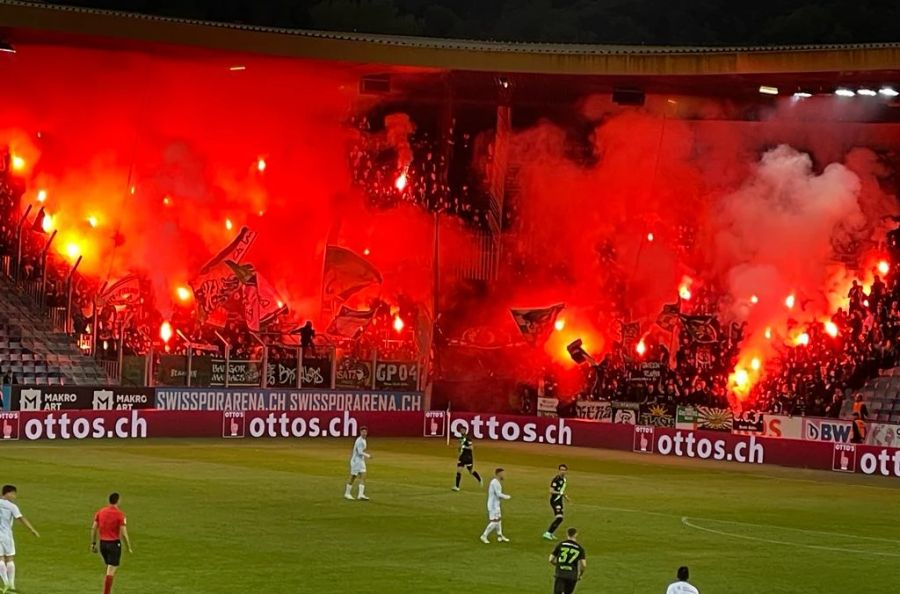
point(152, 162)
point(144, 159)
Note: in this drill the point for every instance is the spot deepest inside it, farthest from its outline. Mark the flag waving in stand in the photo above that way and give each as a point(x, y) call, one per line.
point(216, 282)
point(346, 273)
point(536, 323)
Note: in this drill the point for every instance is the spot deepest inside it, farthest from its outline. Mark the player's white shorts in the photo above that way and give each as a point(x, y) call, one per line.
point(357, 467)
point(7, 545)
point(494, 513)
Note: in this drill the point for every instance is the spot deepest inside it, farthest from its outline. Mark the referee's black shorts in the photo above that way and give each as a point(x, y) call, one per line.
point(564, 585)
point(111, 551)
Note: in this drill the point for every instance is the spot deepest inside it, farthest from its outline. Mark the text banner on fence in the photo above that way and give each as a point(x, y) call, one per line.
point(296, 400)
point(79, 425)
point(81, 398)
point(74, 425)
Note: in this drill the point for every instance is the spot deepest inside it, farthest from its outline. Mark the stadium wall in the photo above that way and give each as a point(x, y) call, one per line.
point(641, 439)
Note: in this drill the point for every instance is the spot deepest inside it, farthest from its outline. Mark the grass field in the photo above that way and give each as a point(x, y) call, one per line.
point(209, 517)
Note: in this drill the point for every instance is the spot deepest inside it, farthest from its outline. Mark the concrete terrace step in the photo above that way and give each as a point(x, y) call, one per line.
point(33, 352)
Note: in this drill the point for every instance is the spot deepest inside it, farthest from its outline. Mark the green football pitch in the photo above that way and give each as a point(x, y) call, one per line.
point(214, 517)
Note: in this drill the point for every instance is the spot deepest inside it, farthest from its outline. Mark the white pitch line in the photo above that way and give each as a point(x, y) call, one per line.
point(807, 530)
point(686, 521)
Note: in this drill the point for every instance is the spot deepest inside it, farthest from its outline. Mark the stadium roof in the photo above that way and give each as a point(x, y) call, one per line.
point(35, 22)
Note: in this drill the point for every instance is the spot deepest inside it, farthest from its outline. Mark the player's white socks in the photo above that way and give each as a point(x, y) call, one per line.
point(500, 529)
point(362, 490)
point(490, 528)
point(3, 577)
point(348, 489)
point(11, 573)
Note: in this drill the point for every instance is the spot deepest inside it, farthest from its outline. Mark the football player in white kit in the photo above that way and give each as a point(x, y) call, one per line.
point(682, 586)
point(358, 466)
point(9, 513)
point(495, 496)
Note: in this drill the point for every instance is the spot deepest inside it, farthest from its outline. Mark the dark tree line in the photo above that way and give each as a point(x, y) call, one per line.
point(649, 22)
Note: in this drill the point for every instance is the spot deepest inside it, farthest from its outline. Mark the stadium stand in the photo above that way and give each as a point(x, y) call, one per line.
point(33, 353)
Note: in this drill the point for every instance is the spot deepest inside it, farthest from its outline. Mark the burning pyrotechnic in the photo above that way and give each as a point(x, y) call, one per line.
point(229, 225)
point(790, 301)
point(650, 237)
point(73, 251)
point(641, 348)
point(831, 329)
point(42, 196)
point(755, 364)
point(367, 252)
point(166, 332)
point(183, 293)
point(884, 267)
point(754, 299)
point(92, 221)
point(684, 292)
point(400, 182)
point(167, 201)
point(398, 324)
point(802, 339)
point(47, 222)
point(17, 163)
point(559, 325)
point(261, 165)
point(768, 334)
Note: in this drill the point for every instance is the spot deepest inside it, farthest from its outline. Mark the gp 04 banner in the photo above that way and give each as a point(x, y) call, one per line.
point(397, 375)
point(292, 400)
point(81, 398)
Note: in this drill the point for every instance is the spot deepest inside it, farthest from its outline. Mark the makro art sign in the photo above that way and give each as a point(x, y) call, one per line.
point(81, 398)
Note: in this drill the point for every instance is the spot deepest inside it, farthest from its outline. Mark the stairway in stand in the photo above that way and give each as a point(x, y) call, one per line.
point(34, 353)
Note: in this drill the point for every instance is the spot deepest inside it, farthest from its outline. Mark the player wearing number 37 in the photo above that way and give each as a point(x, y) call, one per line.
point(569, 559)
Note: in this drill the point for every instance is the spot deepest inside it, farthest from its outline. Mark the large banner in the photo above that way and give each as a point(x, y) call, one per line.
point(293, 400)
point(397, 375)
point(834, 430)
point(714, 419)
point(600, 410)
point(316, 373)
point(144, 424)
point(779, 426)
point(646, 371)
point(712, 446)
point(882, 434)
point(81, 398)
point(240, 373)
point(547, 407)
point(658, 415)
point(171, 370)
point(625, 413)
point(353, 374)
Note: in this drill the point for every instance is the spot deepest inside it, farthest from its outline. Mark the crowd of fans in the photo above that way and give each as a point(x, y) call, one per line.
point(812, 376)
point(811, 379)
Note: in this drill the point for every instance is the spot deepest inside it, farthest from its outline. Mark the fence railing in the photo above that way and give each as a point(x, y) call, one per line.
point(326, 368)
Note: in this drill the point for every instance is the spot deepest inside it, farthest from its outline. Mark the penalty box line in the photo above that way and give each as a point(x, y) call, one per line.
point(686, 521)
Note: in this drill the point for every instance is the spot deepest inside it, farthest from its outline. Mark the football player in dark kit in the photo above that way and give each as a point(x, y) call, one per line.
point(569, 559)
point(466, 459)
point(557, 499)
